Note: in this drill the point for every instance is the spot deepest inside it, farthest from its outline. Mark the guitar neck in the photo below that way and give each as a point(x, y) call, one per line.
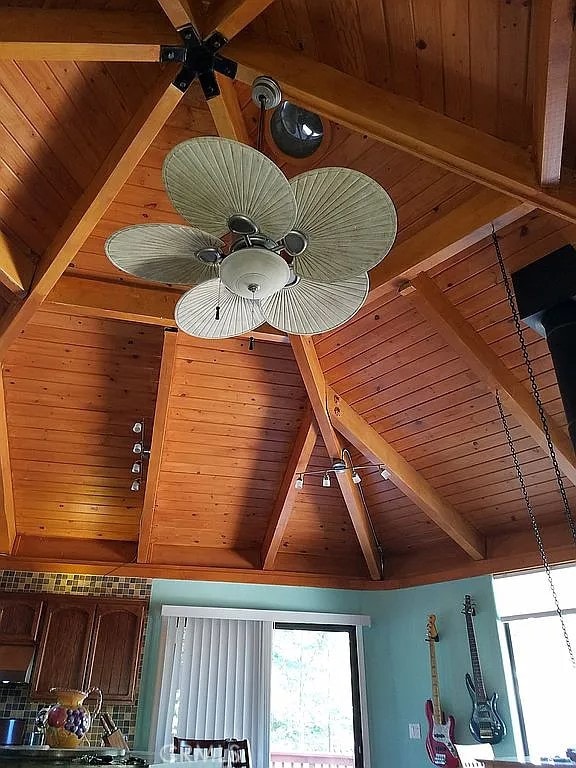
point(475, 659)
point(436, 708)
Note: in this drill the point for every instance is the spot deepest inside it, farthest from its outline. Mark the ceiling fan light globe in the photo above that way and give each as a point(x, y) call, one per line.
point(254, 273)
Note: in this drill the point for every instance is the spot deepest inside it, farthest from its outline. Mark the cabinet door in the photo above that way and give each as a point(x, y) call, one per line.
point(64, 646)
point(115, 652)
point(19, 617)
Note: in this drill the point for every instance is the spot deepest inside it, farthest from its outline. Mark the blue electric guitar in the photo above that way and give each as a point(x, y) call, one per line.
point(486, 725)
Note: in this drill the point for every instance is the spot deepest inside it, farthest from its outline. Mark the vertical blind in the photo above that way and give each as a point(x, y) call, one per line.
point(216, 682)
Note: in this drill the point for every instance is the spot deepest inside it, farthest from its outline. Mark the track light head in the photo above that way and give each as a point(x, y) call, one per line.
point(385, 473)
point(326, 480)
point(136, 468)
point(135, 485)
point(137, 427)
point(299, 482)
point(137, 448)
point(356, 477)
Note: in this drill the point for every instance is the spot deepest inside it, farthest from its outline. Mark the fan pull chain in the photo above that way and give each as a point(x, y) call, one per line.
point(251, 340)
point(219, 289)
point(262, 100)
point(535, 528)
point(534, 386)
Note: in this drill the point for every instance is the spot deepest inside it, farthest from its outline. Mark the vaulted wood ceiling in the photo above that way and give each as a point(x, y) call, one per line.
point(465, 113)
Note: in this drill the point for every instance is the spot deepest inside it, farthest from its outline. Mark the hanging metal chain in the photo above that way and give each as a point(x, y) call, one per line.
point(534, 386)
point(262, 100)
point(535, 528)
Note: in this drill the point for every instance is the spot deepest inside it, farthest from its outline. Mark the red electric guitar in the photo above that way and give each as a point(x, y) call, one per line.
point(440, 738)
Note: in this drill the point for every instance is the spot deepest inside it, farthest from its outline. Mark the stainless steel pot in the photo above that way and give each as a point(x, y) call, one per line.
point(12, 731)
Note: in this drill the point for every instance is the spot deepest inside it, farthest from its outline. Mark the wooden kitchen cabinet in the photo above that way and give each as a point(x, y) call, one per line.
point(20, 618)
point(87, 642)
point(62, 655)
point(115, 649)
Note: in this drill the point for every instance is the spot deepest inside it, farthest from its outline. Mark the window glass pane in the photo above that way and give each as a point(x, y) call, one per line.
point(524, 593)
point(312, 703)
point(545, 683)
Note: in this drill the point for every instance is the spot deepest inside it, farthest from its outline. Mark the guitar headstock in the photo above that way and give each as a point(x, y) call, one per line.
point(468, 609)
point(431, 631)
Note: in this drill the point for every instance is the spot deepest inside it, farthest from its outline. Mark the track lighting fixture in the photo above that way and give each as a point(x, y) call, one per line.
point(339, 466)
point(141, 455)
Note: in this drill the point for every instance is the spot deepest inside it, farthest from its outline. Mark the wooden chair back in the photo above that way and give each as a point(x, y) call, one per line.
point(234, 753)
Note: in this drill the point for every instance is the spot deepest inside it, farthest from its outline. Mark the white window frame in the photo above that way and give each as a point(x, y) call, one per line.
point(250, 614)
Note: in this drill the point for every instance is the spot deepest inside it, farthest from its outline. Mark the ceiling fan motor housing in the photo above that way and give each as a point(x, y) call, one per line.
point(546, 298)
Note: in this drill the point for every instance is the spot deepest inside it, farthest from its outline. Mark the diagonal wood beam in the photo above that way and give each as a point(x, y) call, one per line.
point(313, 377)
point(479, 356)
point(226, 112)
point(115, 170)
point(7, 513)
point(372, 445)
point(229, 17)
point(463, 226)
point(88, 297)
point(553, 31)
point(181, 12)
point(401, 123)
point(157, 447)
point(53, 34)
point(301, 452)
point(16, 266)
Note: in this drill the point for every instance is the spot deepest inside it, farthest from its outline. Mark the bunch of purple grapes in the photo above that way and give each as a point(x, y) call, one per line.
point(77, 721)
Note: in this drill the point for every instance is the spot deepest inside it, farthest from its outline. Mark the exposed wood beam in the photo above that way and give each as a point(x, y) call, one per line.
point(181, 12)
point(401, 123)
point(88, 297)
point(53, 34)
point(313, 377)
point(92, 204)
point(486, 364)
point(461, 227)
point(553, 31)
point(157, 446)
point(227, 114)
point(298, 461)
point(372, 445)
point(7, 515)
point(229, 17)
point(16, 266)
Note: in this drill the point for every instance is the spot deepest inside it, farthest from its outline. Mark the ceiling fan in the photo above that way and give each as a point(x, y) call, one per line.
point(294, 254)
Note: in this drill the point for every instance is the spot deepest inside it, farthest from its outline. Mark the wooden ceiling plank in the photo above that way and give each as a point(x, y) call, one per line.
point(401, 123)
point(313, 377)
point(298, 461)
point(157, 447)
point(229, 17)
point(16, 266)
point(54, 34)
point(115, 170)
point(146, 304)
point(485, 363)
point(453, 232)
point(375, 448)
point(227, 114)
point(553, 31)
point(7, 515)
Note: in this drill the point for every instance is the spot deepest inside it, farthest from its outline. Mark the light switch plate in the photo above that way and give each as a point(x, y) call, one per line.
point(414, 731)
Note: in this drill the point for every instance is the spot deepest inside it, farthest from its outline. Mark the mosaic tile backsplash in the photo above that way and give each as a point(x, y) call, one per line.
point(14, 698)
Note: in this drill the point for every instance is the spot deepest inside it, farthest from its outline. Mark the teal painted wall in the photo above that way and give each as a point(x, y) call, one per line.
point(396, 656)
